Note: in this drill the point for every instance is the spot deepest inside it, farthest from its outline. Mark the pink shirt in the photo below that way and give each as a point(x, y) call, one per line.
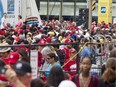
point(20, 23)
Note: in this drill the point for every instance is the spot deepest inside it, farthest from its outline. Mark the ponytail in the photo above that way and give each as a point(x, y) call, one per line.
point(109, 75)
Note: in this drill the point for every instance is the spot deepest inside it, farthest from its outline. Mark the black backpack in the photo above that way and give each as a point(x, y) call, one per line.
point(61, 56)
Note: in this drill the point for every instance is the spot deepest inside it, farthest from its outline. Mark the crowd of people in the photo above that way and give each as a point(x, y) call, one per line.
point(57, 64)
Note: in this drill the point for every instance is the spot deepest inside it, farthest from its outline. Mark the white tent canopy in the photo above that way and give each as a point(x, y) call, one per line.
point(29, 8)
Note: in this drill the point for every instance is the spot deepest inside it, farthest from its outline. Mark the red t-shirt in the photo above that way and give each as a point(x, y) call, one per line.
point(6, 60)
point(2, 32)
point(70, 66)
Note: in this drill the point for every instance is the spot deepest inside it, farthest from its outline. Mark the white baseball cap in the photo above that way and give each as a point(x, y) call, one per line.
point(67, 83)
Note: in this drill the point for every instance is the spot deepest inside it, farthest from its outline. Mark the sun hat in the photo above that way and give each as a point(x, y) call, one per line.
point(4, 49)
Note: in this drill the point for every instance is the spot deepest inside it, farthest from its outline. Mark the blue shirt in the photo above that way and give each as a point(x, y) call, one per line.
point(49, 68)
point(85, 52)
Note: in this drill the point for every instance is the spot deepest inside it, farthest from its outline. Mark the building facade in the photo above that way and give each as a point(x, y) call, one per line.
point(68, 7)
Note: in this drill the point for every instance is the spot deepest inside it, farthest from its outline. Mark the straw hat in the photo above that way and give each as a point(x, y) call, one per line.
point(4, 49)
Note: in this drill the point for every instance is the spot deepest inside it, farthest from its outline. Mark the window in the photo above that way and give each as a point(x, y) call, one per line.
point(114, 1)
point(65, 0)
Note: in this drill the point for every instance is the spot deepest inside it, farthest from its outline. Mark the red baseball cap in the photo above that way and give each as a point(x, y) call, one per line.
point(21, 31)
point(67, 41)
point(17, 38)
point(77, 28)
point(42, 41)
point(106, 26)
point(40, 30)
point(2, 78)
point(16, 25)
point(48, 39)
point(13, 57)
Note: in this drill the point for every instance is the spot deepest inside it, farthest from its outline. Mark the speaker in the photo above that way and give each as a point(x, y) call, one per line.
point(83, 17)
point(38, 4)
point(83, 11)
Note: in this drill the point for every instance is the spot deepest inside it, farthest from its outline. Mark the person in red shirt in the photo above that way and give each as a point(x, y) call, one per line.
point(3, 80)
point(66, 49)
point(71, 65)
point(4, 52)
point(2, 31)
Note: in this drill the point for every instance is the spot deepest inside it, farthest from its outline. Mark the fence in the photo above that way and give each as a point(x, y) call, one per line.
point(103, 45)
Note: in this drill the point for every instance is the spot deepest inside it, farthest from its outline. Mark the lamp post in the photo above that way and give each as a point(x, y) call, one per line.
point(61, 7)
point(47, 10)
point(90, 15)
point(75, 10)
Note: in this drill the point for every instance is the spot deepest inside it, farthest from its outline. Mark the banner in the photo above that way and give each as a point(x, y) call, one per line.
point(1, 10)
point(12, 8)
point(105, 11)
point(114, 21)
point(34, 63)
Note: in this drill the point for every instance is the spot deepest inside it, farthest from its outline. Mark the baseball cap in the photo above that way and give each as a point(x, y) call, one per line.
point(67, 41)
point(13, 57)
point(2, 78)
point(67, 83)
point(48, 39)
point(4, 49)
point(51, 33)
point(42, 41)
point(16, 25)
point(17, 38)
point(29, 33)
point(22, 68)
point(21, 31)
point(40, 30)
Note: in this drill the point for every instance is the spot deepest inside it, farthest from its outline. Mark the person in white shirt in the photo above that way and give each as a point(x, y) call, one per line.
point(4, 21)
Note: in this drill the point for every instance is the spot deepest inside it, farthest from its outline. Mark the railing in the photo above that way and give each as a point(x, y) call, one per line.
point(105, 43)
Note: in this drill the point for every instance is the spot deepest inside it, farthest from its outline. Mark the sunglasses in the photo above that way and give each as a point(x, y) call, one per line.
point(48, 58)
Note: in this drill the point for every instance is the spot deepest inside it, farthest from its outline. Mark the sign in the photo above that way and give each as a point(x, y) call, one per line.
point(93, 5)
point(1, 10)
point(34, 63)
point(105, 11)
point(12, 8)
point(114, 21)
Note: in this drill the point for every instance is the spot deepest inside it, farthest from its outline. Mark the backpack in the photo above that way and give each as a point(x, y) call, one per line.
point(61, 56)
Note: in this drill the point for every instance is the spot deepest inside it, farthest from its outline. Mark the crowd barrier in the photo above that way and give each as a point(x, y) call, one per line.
point(103, 45)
